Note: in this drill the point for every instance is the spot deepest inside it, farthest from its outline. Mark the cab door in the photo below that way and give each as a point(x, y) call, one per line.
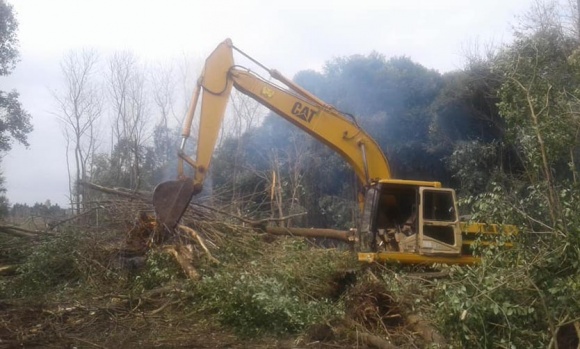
point(367, 229)
point(439, 231)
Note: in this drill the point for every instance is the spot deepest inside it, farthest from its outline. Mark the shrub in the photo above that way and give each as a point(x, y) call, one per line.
point(52, 263)
point(160, 268)
point(254, 304)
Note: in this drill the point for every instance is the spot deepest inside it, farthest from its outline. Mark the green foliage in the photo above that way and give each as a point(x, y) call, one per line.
point(164, 160)
point(8, 38)
point(160, 269)
point(283, 290)
point(518, 298)
point(493, 305)
point(465, 109)
point(535, 100)
point(14, 120)
point(255, 305)
point(339, 212)
point(12, 249)
point(473, 165)
point(4, 204)
point(130, 165)
point(52, 264)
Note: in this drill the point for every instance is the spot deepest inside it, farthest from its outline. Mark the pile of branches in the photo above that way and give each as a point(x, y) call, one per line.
point(208, 244)
point(203, 228)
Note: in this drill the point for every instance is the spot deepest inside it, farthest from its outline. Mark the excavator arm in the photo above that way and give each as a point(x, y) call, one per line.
point(290, 101)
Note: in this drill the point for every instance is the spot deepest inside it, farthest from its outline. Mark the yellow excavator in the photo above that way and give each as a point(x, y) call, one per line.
point(407, 221)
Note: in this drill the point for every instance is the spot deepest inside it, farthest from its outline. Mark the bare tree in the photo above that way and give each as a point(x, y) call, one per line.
point(298, 154)
point(287, 180)
point(165, 135)
point(164, 91)
point(127, 92)
point(79, 107)
point(246, 114)
point(188, 71)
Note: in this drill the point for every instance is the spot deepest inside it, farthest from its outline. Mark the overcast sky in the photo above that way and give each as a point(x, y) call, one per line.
point(287, 35)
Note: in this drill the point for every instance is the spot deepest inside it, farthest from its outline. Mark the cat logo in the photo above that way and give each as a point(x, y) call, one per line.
point(303, 112)
point(267, 92)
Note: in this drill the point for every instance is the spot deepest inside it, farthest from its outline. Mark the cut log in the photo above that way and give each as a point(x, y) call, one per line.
point(342, 235)
point(7, 270)
point(116, 191)
point(19, 232)
point(199, 239)
point(184, 257)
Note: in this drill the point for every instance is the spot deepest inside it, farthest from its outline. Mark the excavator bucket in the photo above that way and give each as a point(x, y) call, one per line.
point(170, 200)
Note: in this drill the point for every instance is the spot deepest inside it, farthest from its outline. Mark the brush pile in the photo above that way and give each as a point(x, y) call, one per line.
point(113, 278)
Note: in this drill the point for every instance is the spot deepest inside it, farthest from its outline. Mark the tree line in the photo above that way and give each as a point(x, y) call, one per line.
point(508, 113)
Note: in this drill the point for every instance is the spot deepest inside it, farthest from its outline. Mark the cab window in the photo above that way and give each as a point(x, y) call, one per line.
point(438, 206)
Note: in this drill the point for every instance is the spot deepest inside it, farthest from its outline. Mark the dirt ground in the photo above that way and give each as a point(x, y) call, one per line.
point(38, 326)
point(117, 326)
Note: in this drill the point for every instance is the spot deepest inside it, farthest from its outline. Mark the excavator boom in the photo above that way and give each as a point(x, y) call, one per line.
point(171, 198)
point(324, 122)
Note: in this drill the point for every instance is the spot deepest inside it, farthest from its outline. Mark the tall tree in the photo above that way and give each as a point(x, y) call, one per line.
point(127, 92)
point(79, 110)
point(537, 101)
point(165, 138)
point(14, 120)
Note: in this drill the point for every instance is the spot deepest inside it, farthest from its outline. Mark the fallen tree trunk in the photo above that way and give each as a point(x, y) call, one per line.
point(374, 341)
point(7, 270)
point(20, 232)
point(341, 235)
point(183, 256)
point(116, 191)
point(199, 239)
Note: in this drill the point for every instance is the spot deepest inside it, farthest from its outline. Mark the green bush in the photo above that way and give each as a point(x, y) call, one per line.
point(518, 297)
point(52, 263)
point(253, 304)
point(491, 306)
point(160, 268)
point(278, 287)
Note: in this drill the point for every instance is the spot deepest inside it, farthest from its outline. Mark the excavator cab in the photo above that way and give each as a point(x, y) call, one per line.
point(403, 219)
